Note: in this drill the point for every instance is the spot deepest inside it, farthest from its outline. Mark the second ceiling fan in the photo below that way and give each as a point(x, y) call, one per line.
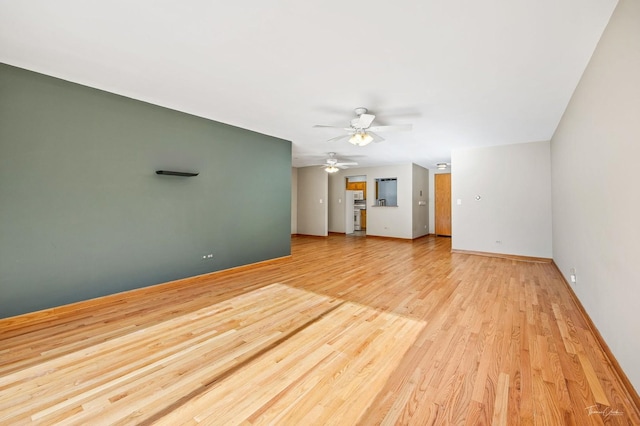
point(360, 131)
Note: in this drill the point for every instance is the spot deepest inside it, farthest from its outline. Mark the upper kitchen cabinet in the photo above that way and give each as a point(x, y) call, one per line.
point(357, 186)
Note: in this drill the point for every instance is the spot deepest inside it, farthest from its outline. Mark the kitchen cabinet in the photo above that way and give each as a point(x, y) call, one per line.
point(357, 186)
point(363, 219)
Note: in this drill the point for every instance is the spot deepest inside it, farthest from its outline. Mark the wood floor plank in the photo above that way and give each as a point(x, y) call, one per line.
point(346, 331)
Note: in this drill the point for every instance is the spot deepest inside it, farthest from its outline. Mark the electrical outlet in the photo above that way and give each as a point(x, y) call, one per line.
point(573, 277)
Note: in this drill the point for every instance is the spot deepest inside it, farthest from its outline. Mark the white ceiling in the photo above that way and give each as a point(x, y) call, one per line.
point(465, 73)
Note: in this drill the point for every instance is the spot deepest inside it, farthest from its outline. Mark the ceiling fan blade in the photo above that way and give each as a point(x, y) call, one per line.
point(392, 128)
point(322, 126)
point(364, 121)
point(376, 138)
point(337, 138)
point(353, 163)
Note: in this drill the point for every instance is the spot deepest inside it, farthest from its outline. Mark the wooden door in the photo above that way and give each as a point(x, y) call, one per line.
point(443, 204)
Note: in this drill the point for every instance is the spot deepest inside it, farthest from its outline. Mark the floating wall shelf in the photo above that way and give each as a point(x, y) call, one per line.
point(172, 173)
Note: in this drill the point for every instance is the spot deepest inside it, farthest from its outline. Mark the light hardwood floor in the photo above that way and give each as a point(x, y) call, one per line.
point(346, 331)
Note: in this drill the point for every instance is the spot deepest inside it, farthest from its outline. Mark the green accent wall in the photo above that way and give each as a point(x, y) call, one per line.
point(83, 213)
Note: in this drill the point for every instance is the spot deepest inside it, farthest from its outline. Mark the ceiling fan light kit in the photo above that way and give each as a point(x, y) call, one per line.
point(331, 169)
point(361, 139)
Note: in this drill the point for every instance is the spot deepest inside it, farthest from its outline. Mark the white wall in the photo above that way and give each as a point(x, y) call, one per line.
point(312, 201)
point(381, 221)
point(514, 186)
point(596, 200)
point(391, 221)
point(420, 201)
point(337, 188)
point(294, 200)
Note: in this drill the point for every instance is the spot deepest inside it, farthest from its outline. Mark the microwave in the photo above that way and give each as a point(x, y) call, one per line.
point(358, 195)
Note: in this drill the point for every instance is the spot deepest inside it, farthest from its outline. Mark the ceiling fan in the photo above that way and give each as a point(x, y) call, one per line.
point(334, 164)
point(360, 132)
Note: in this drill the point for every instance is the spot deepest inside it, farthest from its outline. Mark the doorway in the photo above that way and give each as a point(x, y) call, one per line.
point(443, 204)
point(356, 204)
